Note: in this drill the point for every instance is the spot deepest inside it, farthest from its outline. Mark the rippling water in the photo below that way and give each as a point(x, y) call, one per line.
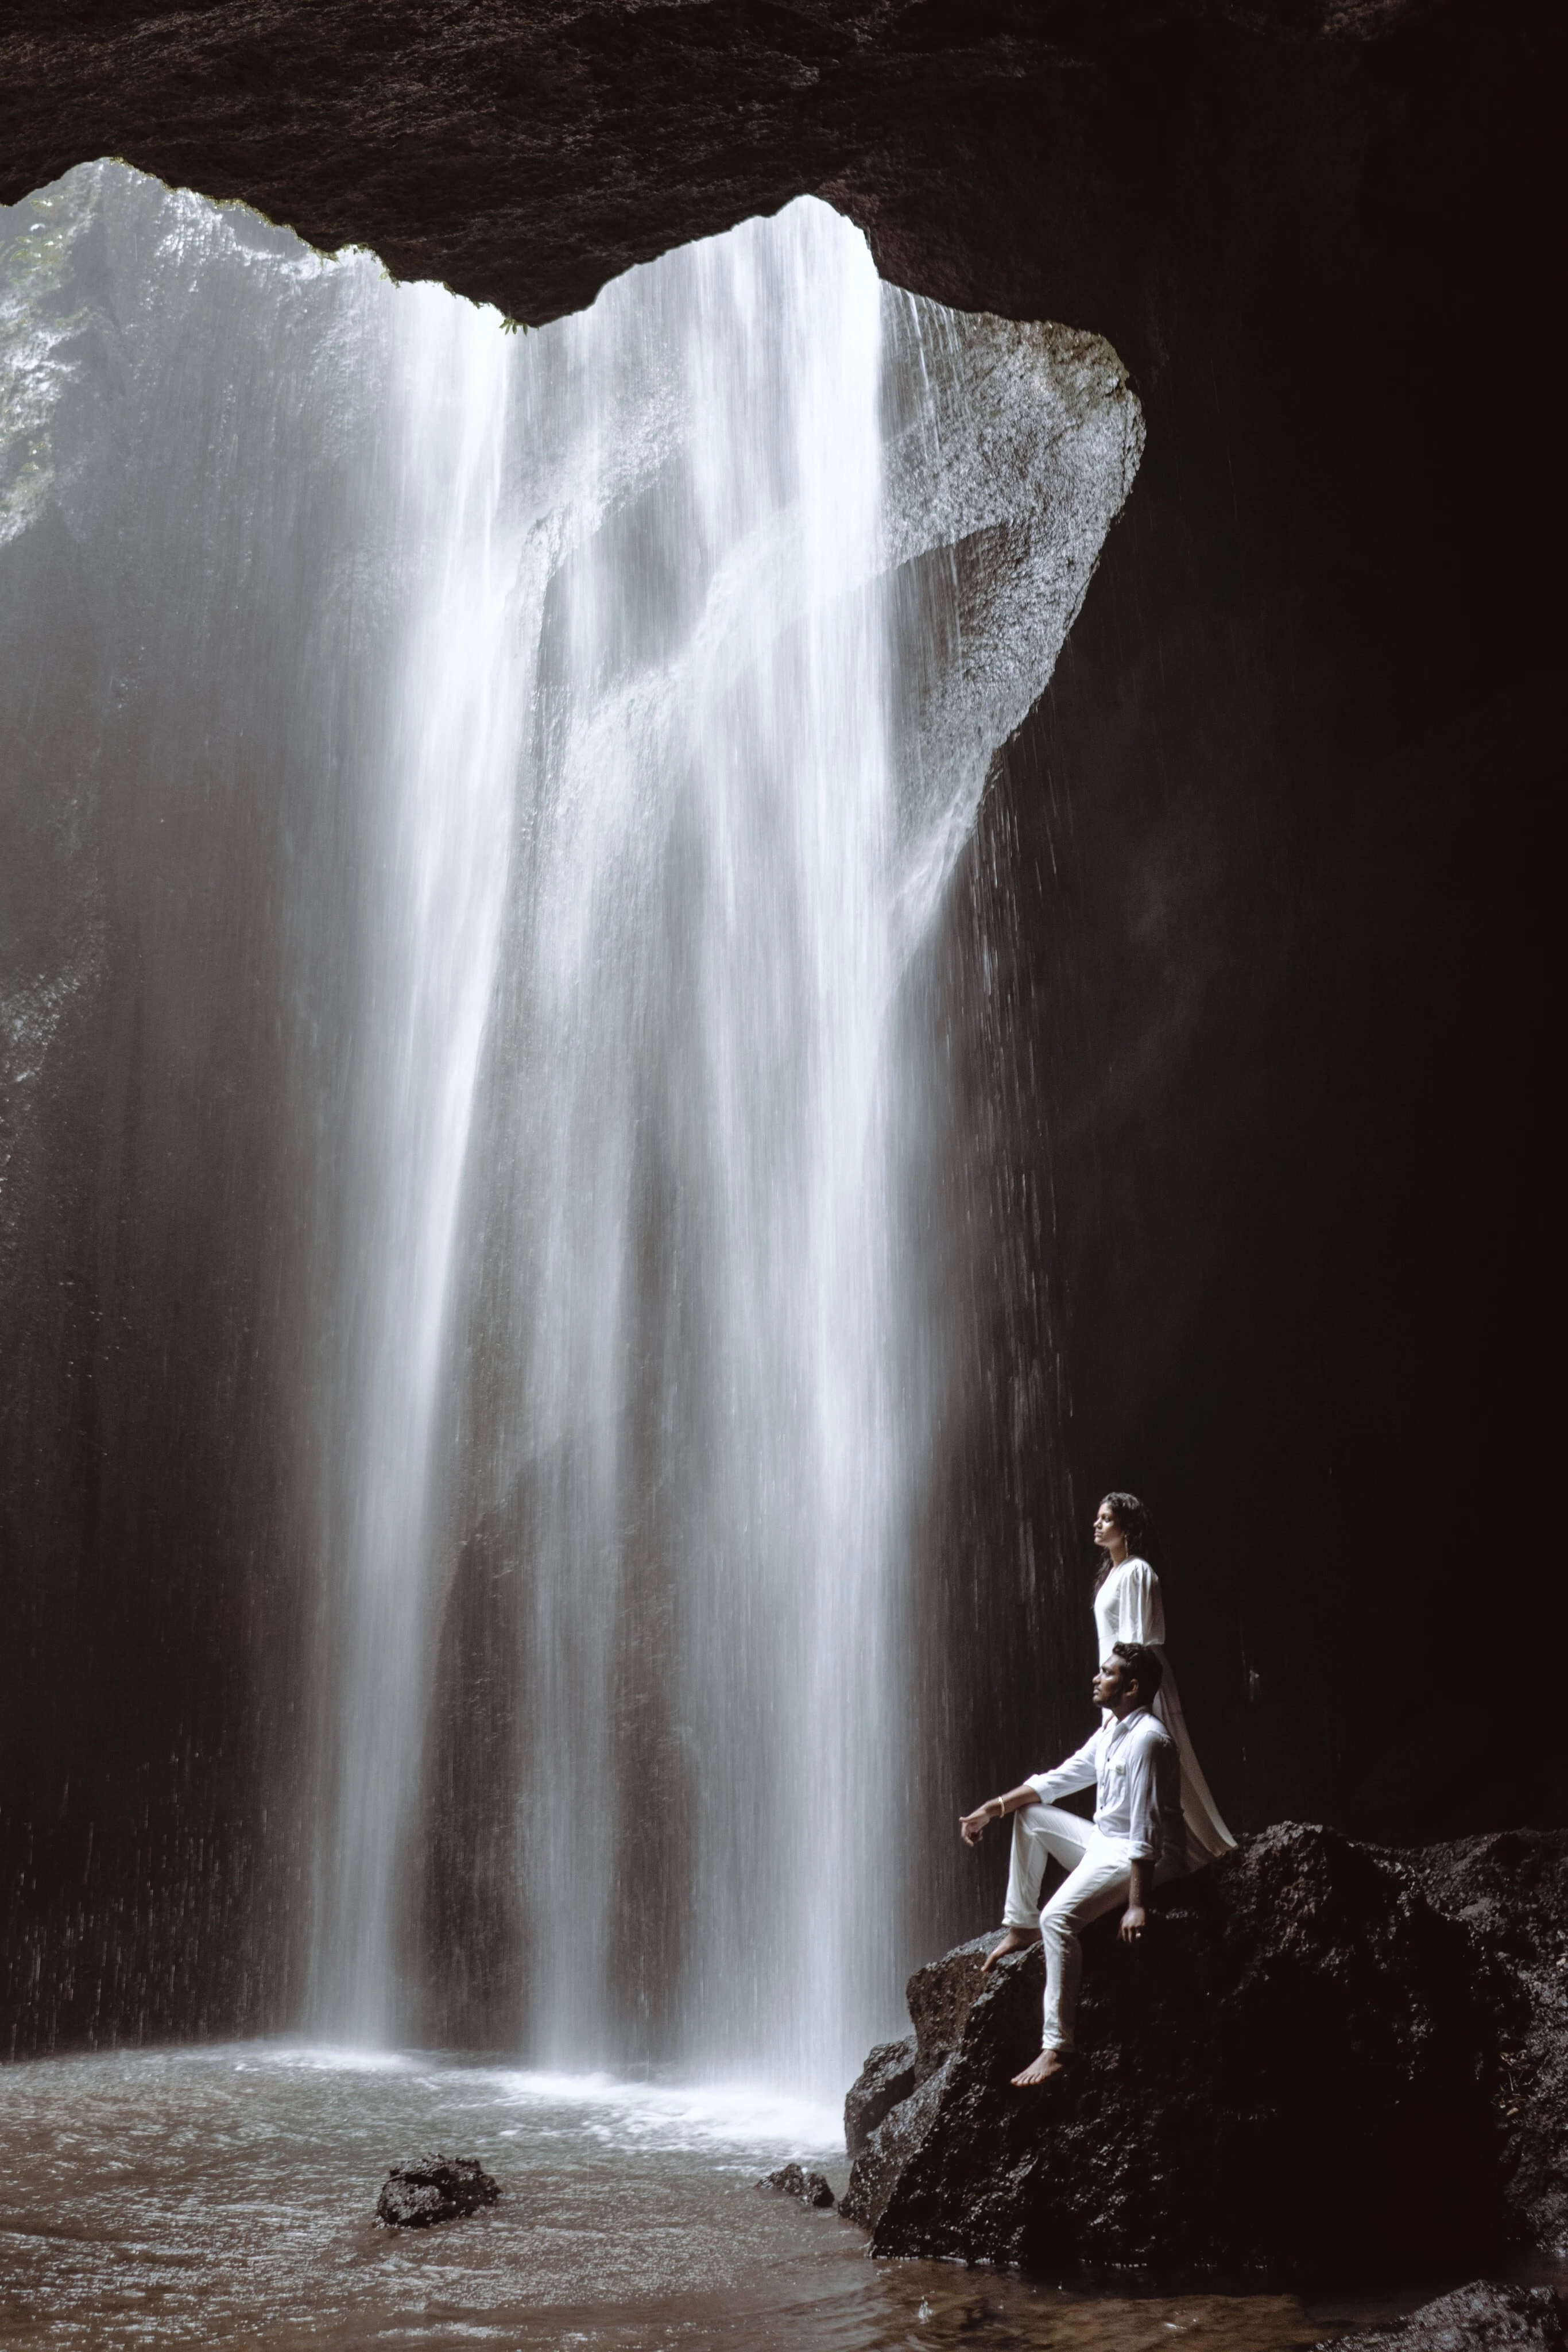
point(224, 2196)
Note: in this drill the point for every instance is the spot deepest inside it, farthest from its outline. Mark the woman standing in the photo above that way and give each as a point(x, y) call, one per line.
point(1128, 1607)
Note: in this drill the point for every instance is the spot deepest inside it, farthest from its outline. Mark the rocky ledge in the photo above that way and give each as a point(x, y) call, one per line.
point(1325, 2060)
point(1475, 2318)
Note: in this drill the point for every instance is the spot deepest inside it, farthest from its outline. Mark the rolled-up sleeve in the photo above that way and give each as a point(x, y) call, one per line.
point(1145, 1833)
point(1080, 1771)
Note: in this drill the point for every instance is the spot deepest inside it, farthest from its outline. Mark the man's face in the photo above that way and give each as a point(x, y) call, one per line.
point(1110, 1682)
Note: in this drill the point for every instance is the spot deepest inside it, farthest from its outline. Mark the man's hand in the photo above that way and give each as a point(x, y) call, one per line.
point(972, 1826)
point(1134, 1920)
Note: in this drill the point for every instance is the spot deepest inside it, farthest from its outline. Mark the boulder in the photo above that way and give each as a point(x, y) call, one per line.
point(1316, 2067)
point(889, 2128)
point(940, 1997)
point(887, 2077)
point(792, 2180)
point(1475, 2318)
point(434, 2188)
point(890, 2148)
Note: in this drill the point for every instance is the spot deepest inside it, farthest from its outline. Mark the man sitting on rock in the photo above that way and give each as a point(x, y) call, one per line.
point(1137, 1840)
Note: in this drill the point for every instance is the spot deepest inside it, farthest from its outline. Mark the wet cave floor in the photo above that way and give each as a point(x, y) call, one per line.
point(224, 2196)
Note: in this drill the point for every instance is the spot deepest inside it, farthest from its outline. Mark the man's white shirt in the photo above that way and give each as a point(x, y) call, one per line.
point(1134, 1770)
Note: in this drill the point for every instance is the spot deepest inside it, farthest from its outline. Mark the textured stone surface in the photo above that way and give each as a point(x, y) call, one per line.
point(1303, 2073)
point(1009, 451)
point(525, 156)
point(1510, 1891)
point(940, 1997)
point(792, 2179)
point(435, 2189)
point(890, 2150)
point(887, 2077)
point(1479, 2318)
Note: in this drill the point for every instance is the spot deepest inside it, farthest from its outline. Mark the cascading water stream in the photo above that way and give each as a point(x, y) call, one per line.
point(440, 854)
point(690, 1070)
point(708, 1320)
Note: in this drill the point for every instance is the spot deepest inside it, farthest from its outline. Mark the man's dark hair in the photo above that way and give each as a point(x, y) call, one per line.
point(1141, 1666)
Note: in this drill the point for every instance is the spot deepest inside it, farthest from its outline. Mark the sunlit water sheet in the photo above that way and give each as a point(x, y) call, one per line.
point(224, 2196)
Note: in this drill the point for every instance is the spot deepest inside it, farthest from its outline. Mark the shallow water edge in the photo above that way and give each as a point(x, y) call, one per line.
point(224, 2196)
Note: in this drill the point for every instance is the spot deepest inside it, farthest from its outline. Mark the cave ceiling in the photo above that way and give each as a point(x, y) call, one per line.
point(1064, 160)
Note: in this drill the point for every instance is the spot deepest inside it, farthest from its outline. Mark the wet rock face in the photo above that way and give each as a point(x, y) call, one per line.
point(940, 1997)
point(887, 2077)
point(1303, 2073)
point(436, 2188)
point(883, 2123)
point(1475, 2318)
point(792, 2180)
point(889, 2150)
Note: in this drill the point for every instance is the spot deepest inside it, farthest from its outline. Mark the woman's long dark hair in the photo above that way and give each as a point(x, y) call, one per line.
point(1137, 1522)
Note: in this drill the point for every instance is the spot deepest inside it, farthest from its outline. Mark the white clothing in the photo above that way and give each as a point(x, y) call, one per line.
point(1128, 1607)
point(1100, 1877)
point(1134, 1768)
point(1041, 1833)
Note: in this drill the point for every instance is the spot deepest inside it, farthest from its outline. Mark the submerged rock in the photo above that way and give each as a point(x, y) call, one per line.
point(1475, 2318)
point(436, 2188)
point(1324, 2061)
point(790, 2181)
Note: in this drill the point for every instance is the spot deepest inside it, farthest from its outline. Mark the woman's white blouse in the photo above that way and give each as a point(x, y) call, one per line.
point(1128, 1607)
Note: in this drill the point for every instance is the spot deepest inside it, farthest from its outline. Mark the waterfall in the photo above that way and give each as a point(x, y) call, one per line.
point(437, 852)
point(583, 726)
point(707, 1343)
point(692, 1067)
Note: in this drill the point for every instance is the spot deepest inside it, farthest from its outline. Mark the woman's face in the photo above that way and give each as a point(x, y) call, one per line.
point(1105, 1528)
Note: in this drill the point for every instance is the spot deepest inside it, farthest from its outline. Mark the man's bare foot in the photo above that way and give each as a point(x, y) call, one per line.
point(1016, 1939)
point(1048, 2063)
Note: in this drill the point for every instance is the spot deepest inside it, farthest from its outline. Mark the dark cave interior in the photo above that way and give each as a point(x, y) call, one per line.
point(1250, 948)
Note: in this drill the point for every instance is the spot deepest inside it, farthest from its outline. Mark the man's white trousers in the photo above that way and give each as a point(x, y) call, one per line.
point(1100, 1873)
